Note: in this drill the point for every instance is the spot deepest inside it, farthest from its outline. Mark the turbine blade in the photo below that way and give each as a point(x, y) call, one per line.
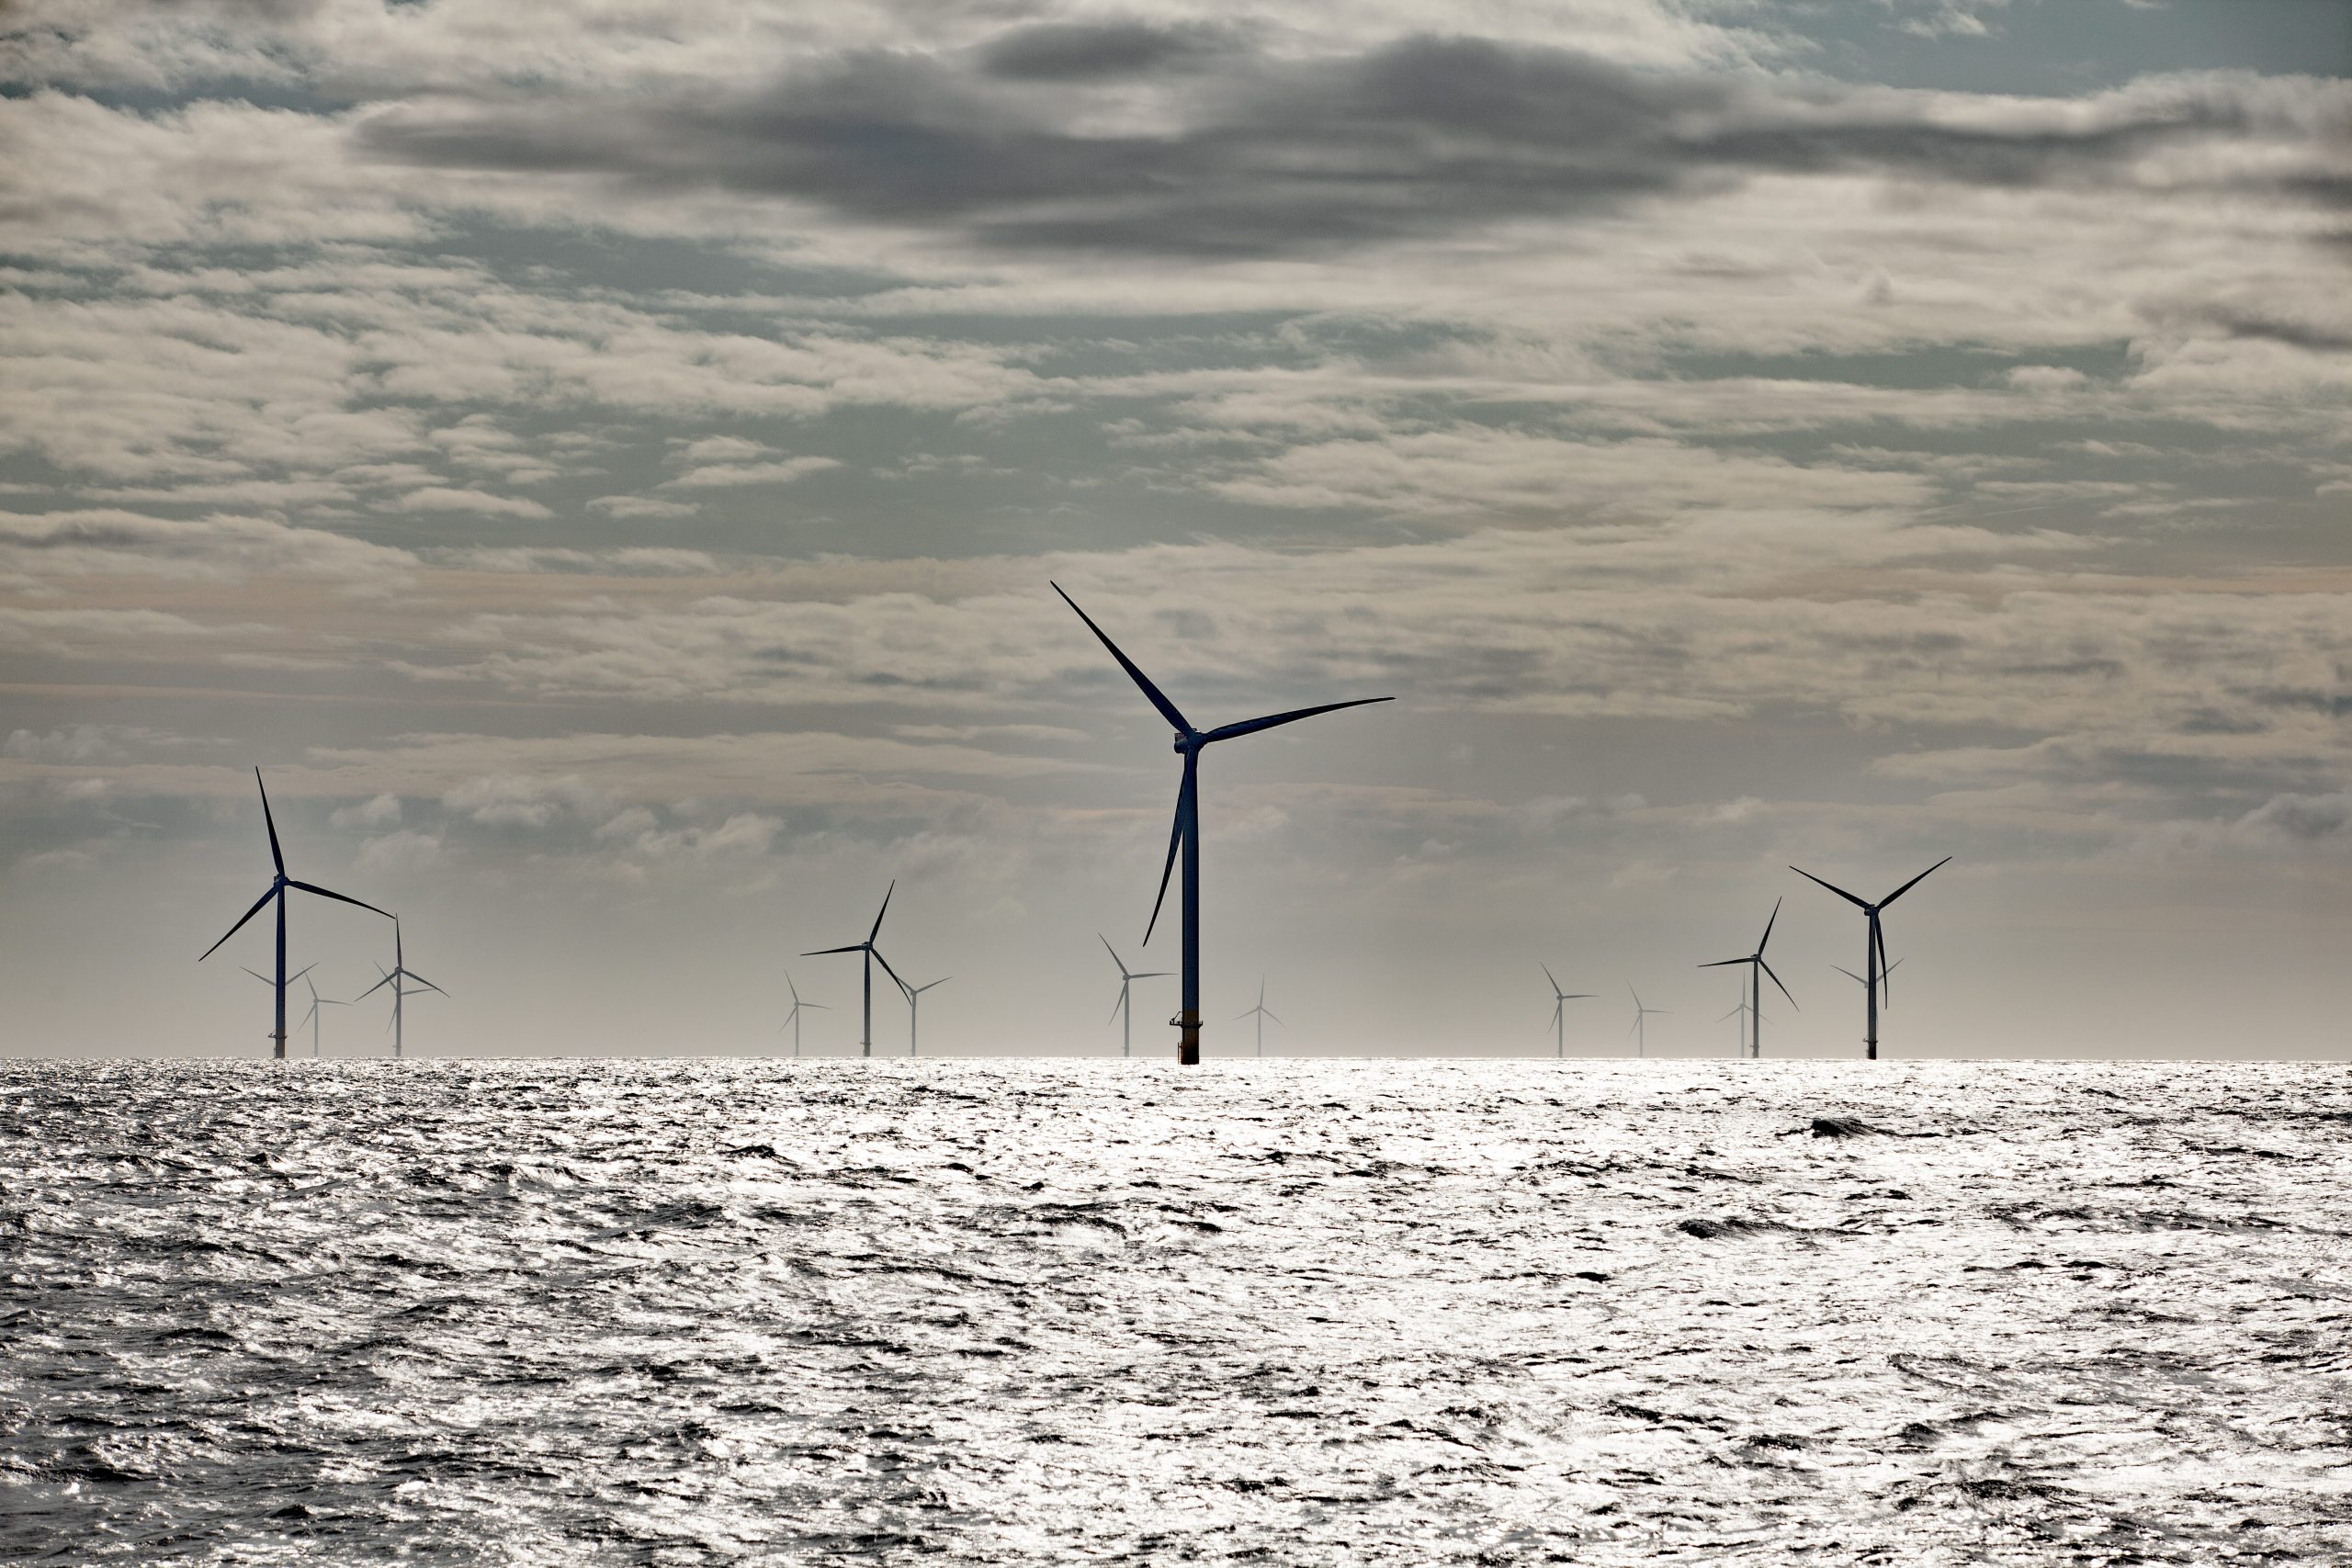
point(1832, 886)
point(373, 989)
point(1776, 980)
point(1581, 997)
point(423, 981)
point(1913, 883)
point(1111, 951)
point(1175, 842)
point(1252, 725)
point(300, 973)
point(276, 858)
point(1117, 1005)
point(1849, 974)
point(1633, 1026)
point(248, 915)
point(853, 947)
point(821, 1007)
point(254, 973)
point(885, 909)
point(886, 965)
point(1767, 929)
point(326, 893)
point(1269, 1013)
point(1167, 710)
point(1735, 1011)
point(1548, 976)
point(1557, 1009)
point(1152, 974)
point(1878, 944)
point(1721, 962)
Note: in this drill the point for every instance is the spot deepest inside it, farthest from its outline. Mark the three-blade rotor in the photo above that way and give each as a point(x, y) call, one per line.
point(1189, 741)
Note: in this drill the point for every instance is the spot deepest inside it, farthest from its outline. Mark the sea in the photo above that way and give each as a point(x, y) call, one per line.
point(702, 1311)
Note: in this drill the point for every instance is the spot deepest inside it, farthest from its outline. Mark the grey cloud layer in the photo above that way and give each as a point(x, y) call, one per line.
point(1273, 157)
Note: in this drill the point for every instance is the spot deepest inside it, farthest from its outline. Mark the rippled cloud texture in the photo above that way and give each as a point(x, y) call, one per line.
point(604, 462)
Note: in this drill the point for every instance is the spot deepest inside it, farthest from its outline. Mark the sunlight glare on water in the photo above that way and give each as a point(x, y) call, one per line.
point(1319, 1313)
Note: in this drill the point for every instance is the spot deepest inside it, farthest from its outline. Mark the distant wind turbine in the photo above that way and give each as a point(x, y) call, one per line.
point(1123, 1008)
point(1560, 1000)
point(397, 978)
point(278, 887)
point(1640, 1031)
point(312, 1018)
point(873, 956)
point(914, 998)
point(792, 1019)
point(1185, 837)
point(1882, 981)
point(1874, 948)
point(1739, 1010)
point(1756, 969)
point(1261, 1015)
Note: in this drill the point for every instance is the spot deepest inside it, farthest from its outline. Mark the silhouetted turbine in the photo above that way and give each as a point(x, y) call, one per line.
point(278, 887)
point(1874, 946)
point(792, 1019)
point(914, 996)
point(1186, 835)
point(1757, 970)
point(1123, 1008)
point(1261, 1015)
point(1560, 1000)
point(398, 977)
point(1640, 1031)
point(873, 956)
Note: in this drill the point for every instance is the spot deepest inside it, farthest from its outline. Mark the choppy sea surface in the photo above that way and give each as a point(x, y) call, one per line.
point(1314, 1313)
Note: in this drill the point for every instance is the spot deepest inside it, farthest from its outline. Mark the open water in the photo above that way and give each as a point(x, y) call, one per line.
point(1280, 1313)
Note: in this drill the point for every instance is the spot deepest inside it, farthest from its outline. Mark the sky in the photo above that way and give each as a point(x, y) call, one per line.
point(605, 461)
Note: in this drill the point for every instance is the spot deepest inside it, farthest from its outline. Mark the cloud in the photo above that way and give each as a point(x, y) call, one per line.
point(643, 506)
point(376, 811)
point(442, 498)
point(1291, 155)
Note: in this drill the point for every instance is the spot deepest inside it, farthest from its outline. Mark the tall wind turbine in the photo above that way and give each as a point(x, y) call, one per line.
point(792, 1019)
point(1875, 952)
point(914, 996)
point(1560, 1000)
point(398, 979)
point(1641, 1017)
point(1185, 837)
point(312, 1018)
point(278, 887)
point(1123, 1008)
point(1261, 1015)
point(873, 956)
point(1756, 969)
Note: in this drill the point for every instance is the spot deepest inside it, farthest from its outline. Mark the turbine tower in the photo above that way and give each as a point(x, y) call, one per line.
point(914, 996)
point(397, 978)
point(1123, 1008)
point(1875, 949)
point(1560, 1000)
point(1185, 837)
point(1756, 969)
point(1641, 1017)
point(1261, 1015)
point(873, 956)
point(792, 1019)
point(278, 887)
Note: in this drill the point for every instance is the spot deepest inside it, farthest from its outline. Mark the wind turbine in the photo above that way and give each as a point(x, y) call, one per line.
point(1186, 835)
point(914, 995)
point(1875, 949)
point(792, 1018)
point(312, 1018)
point(1560, 1000)
point(1261, 1015)
point(1756, 969)
point(1739, 1010)
point(873, 956)
point(1641, 1015)
point(1883, 980)
point(278, 887)
point(397, 978)
point(1123, 1008)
